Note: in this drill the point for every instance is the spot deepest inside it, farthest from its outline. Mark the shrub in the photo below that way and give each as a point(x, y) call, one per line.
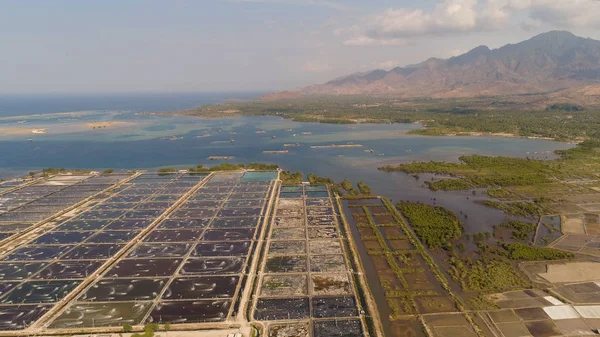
point(519, 251)
point(434, 225)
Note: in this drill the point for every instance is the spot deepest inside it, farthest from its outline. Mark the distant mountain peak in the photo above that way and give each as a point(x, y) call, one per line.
point(483, 49)
point(555, 34)
point(548, 62)
point(471, 55)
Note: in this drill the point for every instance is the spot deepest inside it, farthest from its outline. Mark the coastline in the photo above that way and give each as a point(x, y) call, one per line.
point(417, 132)
point(489, 134)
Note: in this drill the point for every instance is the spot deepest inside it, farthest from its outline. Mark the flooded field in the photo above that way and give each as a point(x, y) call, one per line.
point(402, 283)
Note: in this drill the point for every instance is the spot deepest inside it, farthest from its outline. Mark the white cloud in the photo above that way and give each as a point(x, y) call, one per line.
point(395, 26)
point(451, 15)
point(364, 40)
point(566, 13)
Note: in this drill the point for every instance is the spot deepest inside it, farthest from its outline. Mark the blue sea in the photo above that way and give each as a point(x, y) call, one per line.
point(108, 131)
point(30, 104)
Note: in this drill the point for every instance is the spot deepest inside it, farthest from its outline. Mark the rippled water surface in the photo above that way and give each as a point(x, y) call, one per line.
point(137, 141)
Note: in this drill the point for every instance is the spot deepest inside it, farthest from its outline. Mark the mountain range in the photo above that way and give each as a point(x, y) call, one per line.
point(553, 63)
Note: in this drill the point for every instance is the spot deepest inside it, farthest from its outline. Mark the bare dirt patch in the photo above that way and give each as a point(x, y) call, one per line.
point(402, 244)
point(418, 281)
point(330, 284)
point(284, 285)
point(573, 224)
point(289, 330)
point(434, 304)
point(571, 272)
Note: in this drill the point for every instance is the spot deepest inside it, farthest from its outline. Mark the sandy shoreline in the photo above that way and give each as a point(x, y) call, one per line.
point(494, 134)
point(110, 124)
point(21, 131)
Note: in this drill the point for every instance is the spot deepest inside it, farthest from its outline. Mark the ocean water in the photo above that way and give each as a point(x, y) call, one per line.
point(18, 105)
point(132, 140)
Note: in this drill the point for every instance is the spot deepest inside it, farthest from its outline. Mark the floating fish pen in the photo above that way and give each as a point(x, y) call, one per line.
point(334, 146)
point(276, 151)
point(261, 131)
point(291, 145)
point(221, 157)
point(223, 141)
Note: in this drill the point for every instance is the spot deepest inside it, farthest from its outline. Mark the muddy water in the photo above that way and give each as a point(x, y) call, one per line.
point(398, 186)
point(370, 273)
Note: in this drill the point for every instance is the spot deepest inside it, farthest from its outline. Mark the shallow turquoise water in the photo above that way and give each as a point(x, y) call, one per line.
point(189, 141)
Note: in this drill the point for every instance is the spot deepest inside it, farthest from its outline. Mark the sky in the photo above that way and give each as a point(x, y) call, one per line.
point(75, 46)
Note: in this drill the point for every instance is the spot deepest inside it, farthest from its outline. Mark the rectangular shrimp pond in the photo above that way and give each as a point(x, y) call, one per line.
point(92, 253)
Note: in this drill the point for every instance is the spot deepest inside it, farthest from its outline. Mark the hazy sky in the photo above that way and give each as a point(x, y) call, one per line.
point(229, 45)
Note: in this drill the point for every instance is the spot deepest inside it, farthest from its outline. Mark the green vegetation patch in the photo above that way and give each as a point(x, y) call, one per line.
point(520, 230)
point(524, 209)
point(499, 193)
point(290, 178)
point(482, 303)
point(493, 275)
point(511, 178)
point(316, 180)
point(448, 185)
point(262, 167)
point(234, 167)
point(519, 251)
point(435, 226)
point(484, 171)
point(439, 116)
point(364, 188)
